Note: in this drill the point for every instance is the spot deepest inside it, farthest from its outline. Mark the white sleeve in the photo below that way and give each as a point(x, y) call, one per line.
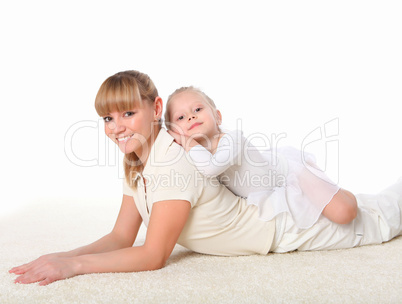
point(226, 155)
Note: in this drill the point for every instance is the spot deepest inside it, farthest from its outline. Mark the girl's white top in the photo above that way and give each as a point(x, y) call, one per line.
point(276, 180)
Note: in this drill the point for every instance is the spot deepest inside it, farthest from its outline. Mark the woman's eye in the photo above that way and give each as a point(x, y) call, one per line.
point(128, 114)
point(107, 118)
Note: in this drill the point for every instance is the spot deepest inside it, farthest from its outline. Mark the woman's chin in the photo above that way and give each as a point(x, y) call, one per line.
point(126, 148)
point(133, 145)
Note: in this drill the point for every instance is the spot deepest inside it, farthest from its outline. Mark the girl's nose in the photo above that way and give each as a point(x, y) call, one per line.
point(191, 117)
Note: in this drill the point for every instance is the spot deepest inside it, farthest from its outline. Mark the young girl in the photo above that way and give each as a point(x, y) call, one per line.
point(200, 214)
point(287, 181)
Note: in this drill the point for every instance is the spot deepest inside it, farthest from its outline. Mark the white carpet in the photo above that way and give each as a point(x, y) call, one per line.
point(371, 274)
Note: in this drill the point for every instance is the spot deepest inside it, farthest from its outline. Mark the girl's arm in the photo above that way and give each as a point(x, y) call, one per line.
point(166, 223)
point(208, 163)
point(225, 156)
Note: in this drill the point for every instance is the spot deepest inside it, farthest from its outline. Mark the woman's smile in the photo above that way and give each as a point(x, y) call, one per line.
point(124, 139)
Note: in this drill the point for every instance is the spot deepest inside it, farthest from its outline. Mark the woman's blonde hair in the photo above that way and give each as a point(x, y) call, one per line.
point(123, 92)
point(208, 100)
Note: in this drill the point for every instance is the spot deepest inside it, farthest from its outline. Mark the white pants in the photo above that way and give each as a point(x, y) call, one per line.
point(378, 220)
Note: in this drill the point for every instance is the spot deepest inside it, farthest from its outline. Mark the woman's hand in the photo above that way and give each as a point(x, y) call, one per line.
point(61, 265)
point(46, 269)
point(186, 142)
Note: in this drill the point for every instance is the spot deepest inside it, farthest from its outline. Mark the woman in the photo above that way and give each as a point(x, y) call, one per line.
point(178, 205)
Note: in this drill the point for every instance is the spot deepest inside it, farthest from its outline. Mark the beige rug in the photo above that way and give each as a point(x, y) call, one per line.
point(371, 274)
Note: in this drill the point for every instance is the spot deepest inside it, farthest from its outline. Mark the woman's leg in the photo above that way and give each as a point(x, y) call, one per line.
point(342, 209)
point(379, 219)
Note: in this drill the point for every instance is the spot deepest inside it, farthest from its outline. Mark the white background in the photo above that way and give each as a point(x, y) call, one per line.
point(281, 66)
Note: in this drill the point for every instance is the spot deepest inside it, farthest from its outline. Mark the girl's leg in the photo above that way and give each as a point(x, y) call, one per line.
point(342, 209)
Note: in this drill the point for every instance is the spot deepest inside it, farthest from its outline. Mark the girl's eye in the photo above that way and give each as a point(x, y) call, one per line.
point(198, 109)
point(107, 118)
point(180, 117)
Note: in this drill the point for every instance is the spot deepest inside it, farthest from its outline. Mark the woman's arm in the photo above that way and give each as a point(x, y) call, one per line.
point(123, 235)
point(166, 223)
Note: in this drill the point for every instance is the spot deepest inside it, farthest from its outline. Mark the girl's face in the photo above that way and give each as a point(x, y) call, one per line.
point(193, 116)
point(134, 130)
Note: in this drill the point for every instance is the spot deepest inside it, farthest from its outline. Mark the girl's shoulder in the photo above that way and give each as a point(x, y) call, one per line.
point(231, 137)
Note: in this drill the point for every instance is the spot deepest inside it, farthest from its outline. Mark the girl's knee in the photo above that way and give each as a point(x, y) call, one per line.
point(347, 211)
point(342, 209)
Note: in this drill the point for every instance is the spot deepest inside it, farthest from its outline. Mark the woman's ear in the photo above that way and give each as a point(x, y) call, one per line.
point(218, 117)
point(158, 108)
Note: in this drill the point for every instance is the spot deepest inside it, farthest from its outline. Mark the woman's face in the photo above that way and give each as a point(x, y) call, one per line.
point(134, 130)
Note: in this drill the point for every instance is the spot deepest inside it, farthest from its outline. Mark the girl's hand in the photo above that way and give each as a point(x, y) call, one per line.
point(185, 141)
point(45, 270)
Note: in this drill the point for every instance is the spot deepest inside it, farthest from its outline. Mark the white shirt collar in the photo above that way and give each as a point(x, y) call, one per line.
point(161, 145)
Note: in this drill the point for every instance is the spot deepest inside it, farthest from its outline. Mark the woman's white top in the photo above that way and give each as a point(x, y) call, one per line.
point(219, 223)
point(281, 180)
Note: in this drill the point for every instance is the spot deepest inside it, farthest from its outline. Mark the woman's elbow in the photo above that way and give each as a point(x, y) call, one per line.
point(155, 260)
point(156, 265)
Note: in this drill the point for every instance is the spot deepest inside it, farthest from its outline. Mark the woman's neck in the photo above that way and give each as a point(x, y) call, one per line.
point(145, 150)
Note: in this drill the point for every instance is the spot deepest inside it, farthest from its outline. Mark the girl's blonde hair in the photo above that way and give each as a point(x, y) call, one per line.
point(123, 92)
point(208, 100)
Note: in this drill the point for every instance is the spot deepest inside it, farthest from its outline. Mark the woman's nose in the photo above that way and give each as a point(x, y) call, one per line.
point(116, 127)
point(119, 128)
